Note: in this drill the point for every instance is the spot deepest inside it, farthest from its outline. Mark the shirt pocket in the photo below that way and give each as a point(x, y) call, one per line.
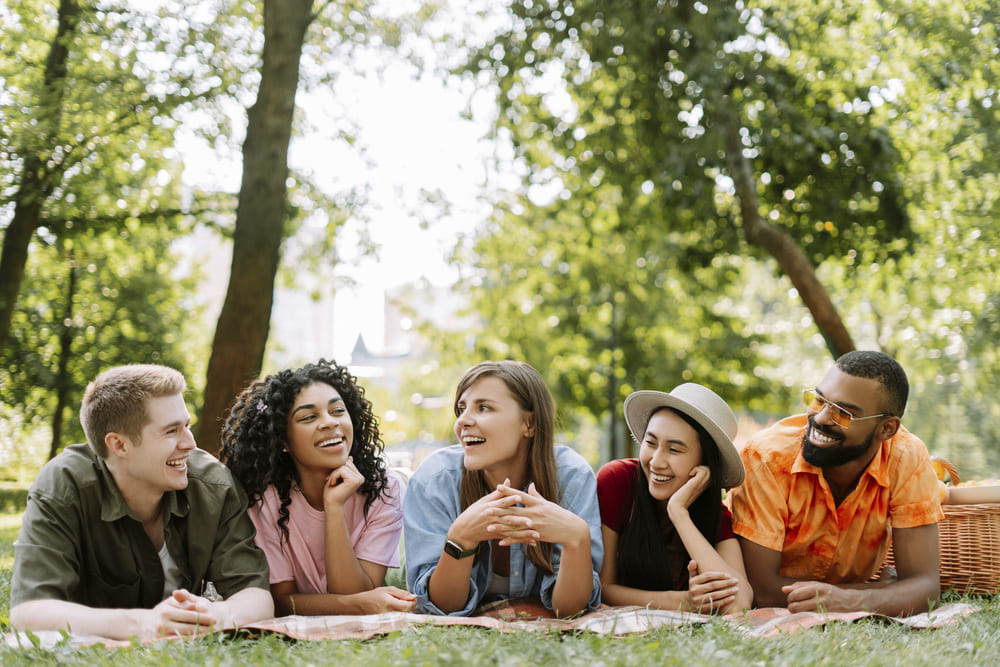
point(115, 593)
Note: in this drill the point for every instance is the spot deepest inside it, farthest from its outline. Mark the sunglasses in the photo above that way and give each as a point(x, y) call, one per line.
point(839, 415)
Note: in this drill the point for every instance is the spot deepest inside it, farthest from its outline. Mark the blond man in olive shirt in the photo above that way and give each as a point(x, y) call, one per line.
point(141, 533)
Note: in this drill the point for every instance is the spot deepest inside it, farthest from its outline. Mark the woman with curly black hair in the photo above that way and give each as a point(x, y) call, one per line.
point(305, 445)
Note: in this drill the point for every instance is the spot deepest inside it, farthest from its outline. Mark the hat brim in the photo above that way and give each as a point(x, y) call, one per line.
point(640, 405)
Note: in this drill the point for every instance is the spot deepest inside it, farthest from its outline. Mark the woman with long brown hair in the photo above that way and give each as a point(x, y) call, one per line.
point(505, 513)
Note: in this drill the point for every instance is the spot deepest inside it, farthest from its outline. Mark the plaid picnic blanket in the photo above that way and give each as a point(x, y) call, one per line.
point(528, 615)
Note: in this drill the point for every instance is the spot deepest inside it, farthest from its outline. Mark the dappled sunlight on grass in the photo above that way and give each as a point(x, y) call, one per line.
point(10, 522)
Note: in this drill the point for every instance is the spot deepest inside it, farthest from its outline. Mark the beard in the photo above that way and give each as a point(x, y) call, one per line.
point(833, 455)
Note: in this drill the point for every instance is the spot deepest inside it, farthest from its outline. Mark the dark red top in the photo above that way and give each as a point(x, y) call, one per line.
point(615, 482)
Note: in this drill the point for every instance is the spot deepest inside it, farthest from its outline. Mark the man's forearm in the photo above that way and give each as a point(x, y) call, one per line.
point(768, 593)
point(247, 606)
point(36, 615)
point(903, 597)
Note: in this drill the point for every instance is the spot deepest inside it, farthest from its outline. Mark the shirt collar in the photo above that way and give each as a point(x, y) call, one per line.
point(114, 507)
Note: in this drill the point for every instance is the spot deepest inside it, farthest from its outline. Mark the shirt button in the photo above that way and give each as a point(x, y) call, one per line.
point(517, 574)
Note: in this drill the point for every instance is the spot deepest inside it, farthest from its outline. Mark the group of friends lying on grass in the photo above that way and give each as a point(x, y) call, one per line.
point(140, 533)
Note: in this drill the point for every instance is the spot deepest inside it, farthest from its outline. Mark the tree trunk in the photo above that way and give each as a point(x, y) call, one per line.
point(241, 333)
point(614, 442)
point(35, 185)
point(62, 375)
point(782, 247)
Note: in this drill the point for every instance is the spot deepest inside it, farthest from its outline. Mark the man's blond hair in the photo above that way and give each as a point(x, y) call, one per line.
point(116, 401)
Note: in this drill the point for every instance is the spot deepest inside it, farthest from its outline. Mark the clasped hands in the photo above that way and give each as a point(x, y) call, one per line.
point(512, 516)
point(187, 615)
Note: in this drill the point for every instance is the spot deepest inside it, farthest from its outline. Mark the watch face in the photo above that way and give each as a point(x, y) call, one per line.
point(452, 549)
point(455, 551)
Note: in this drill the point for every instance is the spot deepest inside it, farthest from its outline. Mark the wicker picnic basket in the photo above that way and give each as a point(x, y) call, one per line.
point(969, 537)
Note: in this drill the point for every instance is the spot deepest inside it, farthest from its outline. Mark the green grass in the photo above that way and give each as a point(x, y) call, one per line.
point(974, 641)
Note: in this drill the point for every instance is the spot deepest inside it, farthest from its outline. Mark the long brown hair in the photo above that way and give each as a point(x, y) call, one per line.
point(528, 388)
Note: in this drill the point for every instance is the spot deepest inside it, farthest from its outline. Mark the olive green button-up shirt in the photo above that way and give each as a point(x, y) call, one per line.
point(79, 541)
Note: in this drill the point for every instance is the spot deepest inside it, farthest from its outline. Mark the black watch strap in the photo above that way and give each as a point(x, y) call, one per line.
point(455, 550)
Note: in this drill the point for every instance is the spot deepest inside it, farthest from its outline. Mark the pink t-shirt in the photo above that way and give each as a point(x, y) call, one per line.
point(300, 558)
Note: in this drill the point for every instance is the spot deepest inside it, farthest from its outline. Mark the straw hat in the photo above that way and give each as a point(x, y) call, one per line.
point(700, 404)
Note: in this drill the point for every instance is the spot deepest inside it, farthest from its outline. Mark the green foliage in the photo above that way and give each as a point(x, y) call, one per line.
point(930, 71)
point(13, 497)
point(602, 97)
point(129, 305)
point(100, 129)
point(600, 307)
point(129, 74)
point(872, 129)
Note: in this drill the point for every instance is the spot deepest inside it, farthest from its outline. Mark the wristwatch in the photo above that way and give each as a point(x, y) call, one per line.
point(454, 550)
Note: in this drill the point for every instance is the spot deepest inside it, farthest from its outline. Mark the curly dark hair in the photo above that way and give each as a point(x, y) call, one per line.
point(256, 434)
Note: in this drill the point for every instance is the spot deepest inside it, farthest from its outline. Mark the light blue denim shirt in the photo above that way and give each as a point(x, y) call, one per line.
point(432, 503)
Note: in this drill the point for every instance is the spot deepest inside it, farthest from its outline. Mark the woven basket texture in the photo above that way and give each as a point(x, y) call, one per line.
point(969, 537)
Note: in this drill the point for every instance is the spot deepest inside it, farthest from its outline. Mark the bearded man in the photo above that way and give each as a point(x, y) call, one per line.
point(825, 492)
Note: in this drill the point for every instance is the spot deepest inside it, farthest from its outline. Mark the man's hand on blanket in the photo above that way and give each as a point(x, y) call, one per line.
point(710, 592)
point(819, 596)
point(181, 614)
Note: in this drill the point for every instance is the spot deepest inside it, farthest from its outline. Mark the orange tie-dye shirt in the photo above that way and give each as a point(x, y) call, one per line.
point(786, 504)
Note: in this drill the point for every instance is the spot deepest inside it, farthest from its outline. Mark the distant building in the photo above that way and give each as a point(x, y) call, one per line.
point(383, 368)
point(402, 342)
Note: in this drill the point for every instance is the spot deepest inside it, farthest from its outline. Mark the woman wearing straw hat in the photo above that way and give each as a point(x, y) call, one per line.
point(668, 540)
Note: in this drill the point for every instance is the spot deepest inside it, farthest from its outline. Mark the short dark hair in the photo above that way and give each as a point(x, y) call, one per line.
point(879, 366)
point(117, 400)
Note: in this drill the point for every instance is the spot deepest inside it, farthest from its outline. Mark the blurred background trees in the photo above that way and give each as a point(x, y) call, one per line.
point(730, 193)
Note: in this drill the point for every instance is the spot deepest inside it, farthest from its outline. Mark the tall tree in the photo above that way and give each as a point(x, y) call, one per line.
point(931, 69)
point(241, 333)
point(700, 109)
point(333, 30)
point(96, 300)
point(35, 186)
point(91, 91)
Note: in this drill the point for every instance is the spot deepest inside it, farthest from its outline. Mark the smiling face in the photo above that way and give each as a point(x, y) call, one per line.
point(494, 430)
point(156, 462)
point(670, 449)
point(320, 431)
point(826, 444)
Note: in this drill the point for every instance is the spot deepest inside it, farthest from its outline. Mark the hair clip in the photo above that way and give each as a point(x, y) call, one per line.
point(261, 405)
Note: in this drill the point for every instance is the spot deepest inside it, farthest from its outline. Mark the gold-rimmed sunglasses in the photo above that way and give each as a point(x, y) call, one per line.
point(839, 415)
